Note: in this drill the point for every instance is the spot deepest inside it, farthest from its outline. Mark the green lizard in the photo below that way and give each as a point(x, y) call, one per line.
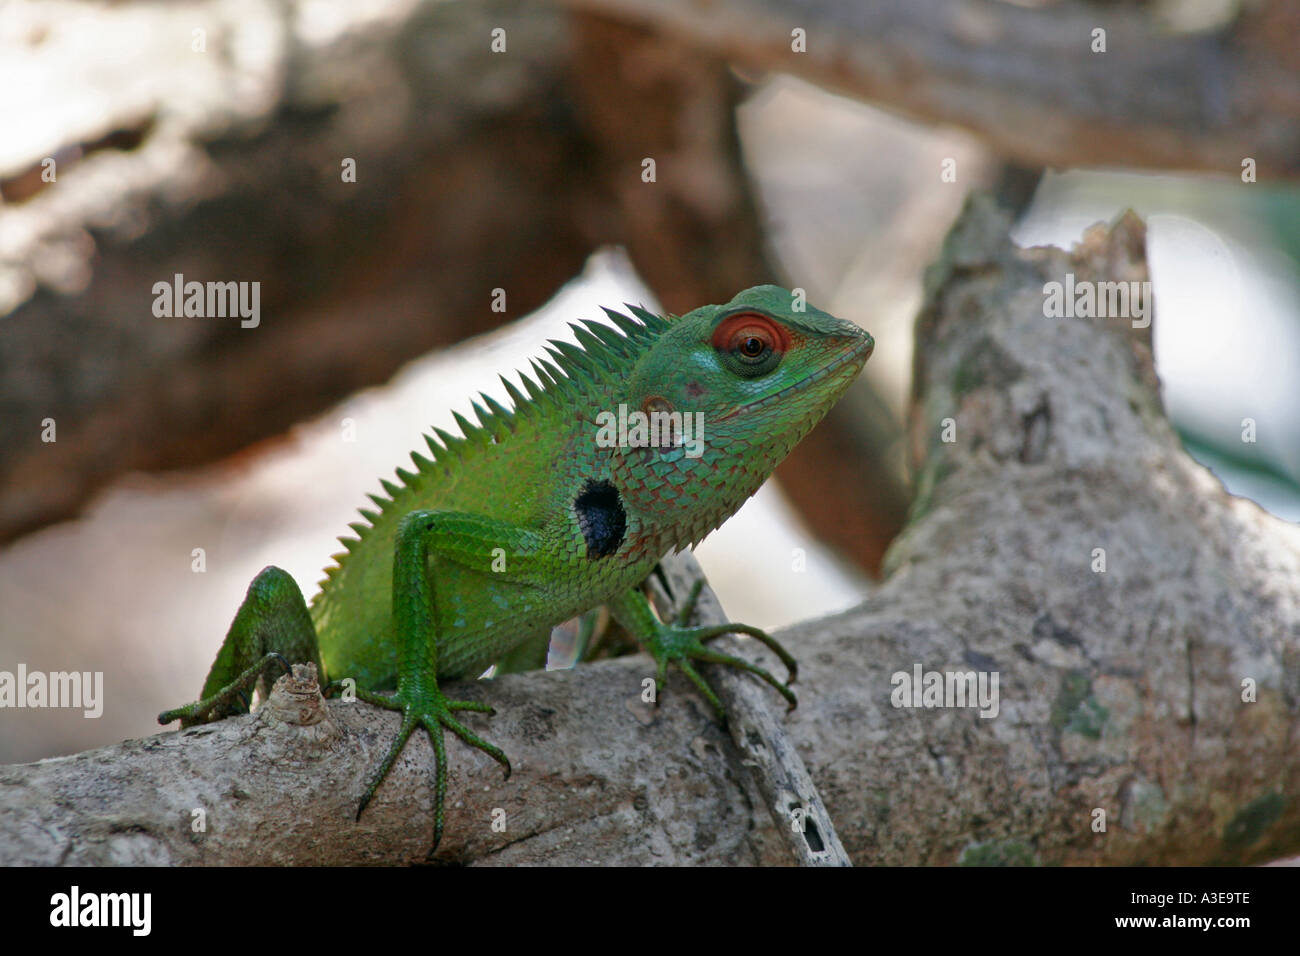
point(540, 513)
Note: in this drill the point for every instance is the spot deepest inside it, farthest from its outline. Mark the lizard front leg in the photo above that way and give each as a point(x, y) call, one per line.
point(469, 540)
point(675, 643)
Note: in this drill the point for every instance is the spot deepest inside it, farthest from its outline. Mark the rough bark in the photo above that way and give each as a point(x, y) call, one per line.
point(598, 777)
point(1120, 690)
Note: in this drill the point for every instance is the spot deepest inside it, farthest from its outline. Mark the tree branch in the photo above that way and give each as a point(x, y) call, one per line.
point(1027, 80)
point(1119, 690)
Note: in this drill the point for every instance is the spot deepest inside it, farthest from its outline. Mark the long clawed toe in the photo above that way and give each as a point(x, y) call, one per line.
point(202, 711)
point(717, 630)
point(683, 615)
point(683, 646)
point(783, 689)
point(434, 716)
point(469, 737)
point(702, 686)
point(409, 722)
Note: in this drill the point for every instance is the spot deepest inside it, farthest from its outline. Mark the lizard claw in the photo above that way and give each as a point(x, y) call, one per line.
point(431, 711)
point(682, 645)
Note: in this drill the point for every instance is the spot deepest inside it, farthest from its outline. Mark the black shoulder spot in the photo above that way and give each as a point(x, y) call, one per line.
point(599, 509)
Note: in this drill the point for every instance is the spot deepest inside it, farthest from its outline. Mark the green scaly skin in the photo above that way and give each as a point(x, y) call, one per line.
point(531, 518)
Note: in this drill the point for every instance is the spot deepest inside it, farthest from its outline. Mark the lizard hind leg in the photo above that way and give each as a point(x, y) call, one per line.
point(272, 626)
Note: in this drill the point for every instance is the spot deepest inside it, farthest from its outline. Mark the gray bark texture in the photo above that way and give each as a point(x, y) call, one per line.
point(1120, 690)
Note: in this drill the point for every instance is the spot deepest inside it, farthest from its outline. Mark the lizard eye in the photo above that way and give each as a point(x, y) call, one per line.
point(750, 344)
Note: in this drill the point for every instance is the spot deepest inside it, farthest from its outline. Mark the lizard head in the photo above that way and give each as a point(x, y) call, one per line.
point(763, 369)
point(750, 379)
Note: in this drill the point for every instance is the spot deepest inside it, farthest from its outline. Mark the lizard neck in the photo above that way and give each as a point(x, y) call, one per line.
point(679, 499)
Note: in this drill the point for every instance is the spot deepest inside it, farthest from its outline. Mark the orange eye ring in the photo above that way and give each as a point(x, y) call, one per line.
point(750, 337)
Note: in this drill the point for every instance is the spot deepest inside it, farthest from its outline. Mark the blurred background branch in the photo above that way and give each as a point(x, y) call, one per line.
point(1175, 85)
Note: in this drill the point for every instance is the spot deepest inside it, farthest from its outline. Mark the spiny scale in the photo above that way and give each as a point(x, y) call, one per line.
point(603, 354)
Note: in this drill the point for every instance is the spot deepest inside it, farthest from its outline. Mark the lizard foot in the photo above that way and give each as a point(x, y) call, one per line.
point(679, 644)
point(432, 711)
point(229, 700)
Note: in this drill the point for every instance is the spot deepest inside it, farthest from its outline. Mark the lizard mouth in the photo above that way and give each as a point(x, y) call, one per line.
point(862, 349)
